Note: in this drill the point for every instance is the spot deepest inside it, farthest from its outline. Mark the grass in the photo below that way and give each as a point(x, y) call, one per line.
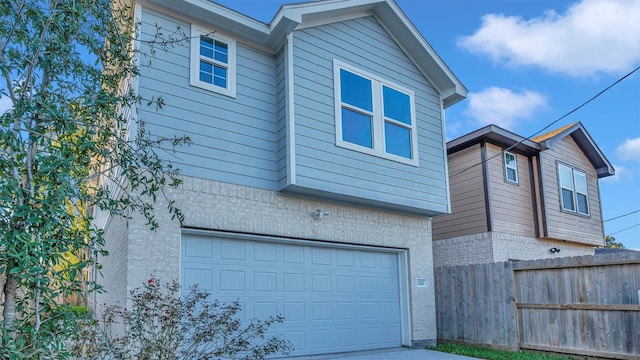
point(491, 354)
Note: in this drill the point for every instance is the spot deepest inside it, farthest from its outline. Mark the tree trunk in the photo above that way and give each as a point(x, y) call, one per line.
point(10, 292)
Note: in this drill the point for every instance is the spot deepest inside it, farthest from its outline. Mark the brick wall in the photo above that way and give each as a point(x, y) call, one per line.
point(463, 250)
point(229, 207)
point(113, 275)
point(491, 247)
point(513, 247)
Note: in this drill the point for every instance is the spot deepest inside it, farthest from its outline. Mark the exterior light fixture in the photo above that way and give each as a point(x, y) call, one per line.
point(554, 250)
point(319, 214)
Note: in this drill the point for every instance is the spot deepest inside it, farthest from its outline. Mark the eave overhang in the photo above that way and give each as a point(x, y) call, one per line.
point(495, 135)
point(293, 16)
point(586, 144)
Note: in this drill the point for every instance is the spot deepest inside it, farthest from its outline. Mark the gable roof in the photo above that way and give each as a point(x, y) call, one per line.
point(505, 138)
point(551, 133)
point(585, 143)
point(312, 13)
point(496, 135)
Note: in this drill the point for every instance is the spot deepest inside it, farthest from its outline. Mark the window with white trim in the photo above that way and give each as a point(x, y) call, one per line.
point(510, 167)
point(574, 196)
point(374, 116)
point(213, 61)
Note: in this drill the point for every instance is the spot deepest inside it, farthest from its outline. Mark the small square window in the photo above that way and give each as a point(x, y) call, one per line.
point(212, 61)
point(511, 167)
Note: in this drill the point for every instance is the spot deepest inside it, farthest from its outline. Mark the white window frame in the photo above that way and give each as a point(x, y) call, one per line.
point(507, 167)
point(194, 73)
point(378, 137)
point(574, 190)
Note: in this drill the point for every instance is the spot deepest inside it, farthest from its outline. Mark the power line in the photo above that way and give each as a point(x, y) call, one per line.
point(625, 229)
point(623, 215)
point(551, 123)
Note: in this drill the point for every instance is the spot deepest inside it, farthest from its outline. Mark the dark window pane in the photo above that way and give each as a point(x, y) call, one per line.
point(206, 72)
point(397, 105)
point(356, 128)
point(206, 47)
point(355, 90)
point(204, 77)
point(222, 52)
point(397, 140)
point(511, 175)
point(206, 67)
point(583, 207)
point(567, 200)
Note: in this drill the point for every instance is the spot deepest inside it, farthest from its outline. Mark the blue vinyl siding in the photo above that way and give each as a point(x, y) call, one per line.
point(320, 164)
point(233, 140)
point(244, 140)
point(281, 108)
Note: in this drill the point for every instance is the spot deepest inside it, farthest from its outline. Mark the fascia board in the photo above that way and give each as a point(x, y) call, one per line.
point(290, 17)
point(493, 134)
point(588, 146)
point(218, 17)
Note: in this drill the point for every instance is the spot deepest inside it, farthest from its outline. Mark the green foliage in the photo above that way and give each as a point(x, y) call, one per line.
point(68, 143)
point(161, 324)
point(610, 242)
point(492, 354)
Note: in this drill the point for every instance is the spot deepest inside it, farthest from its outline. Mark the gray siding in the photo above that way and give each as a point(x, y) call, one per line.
point(511, 205)
point(233, 140)
point(320, 164)
point(568, 226)
point(468, 211)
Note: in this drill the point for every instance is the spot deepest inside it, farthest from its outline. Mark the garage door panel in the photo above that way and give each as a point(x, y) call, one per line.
point(197, 248)
point(293, 254)
point(201, 277)
point(333, 299)
point(232, 249)
point(265, 252)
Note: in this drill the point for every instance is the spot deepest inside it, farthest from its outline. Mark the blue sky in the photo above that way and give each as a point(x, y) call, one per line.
point(528, 62)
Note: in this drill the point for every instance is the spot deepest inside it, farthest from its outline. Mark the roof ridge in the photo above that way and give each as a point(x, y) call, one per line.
point(552, 133)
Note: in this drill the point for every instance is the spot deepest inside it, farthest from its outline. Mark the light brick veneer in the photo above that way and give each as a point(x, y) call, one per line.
point(491, 247)
point(229, 207)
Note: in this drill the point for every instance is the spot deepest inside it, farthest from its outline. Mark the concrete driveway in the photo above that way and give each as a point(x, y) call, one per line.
point(386, 354)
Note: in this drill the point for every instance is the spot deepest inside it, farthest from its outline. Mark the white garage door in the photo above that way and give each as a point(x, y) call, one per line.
point(333, 299)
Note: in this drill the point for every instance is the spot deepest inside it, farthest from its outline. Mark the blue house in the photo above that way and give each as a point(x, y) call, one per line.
point(318, 160)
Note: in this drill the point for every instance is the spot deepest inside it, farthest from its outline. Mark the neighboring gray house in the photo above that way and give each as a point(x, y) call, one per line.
point(536, 200)
point(318, 160)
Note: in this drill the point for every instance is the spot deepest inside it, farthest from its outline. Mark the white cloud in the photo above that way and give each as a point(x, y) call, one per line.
point(629, 150)
point(5, 104)
point(592, 36)
point(503, 107)
point(453, 130)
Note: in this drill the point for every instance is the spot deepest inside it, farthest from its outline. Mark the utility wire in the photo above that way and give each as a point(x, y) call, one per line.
point(621, 216)
point(625, 229)
point(551, 123)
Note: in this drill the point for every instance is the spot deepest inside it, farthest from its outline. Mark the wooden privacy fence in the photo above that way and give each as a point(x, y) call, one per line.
point(585, 305)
